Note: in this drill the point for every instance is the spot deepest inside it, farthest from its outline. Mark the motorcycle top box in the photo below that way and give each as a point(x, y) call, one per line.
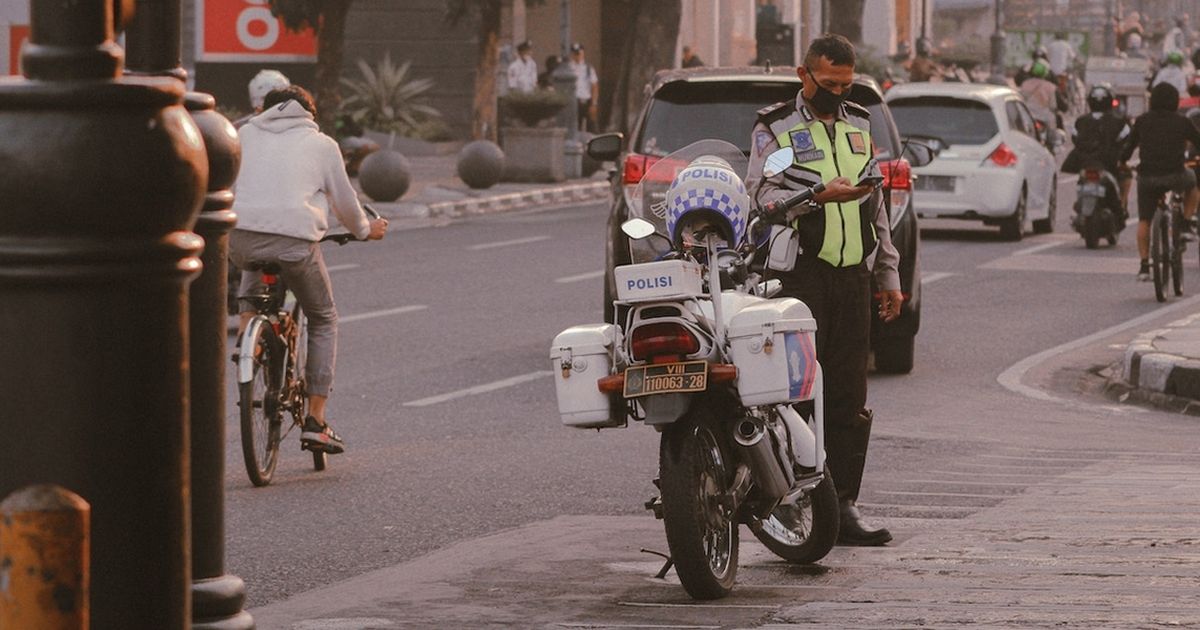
point(662, 280)
point(773, 343)
point(580, 355)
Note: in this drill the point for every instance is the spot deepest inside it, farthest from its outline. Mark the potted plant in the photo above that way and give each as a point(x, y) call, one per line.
point(533, 149)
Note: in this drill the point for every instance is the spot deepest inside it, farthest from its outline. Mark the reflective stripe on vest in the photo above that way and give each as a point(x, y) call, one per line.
point(843, 243)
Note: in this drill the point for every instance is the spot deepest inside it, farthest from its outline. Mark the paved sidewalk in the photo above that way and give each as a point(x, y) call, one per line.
point(436, 192)
point(1163, 367)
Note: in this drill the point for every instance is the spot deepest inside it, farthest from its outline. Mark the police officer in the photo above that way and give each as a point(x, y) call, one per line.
point(831, 143)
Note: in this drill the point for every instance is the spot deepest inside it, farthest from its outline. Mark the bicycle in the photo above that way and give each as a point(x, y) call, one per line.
point(1167, 245)
point(271, 357)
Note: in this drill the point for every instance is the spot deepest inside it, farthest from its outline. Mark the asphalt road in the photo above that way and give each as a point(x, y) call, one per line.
point(444, 397)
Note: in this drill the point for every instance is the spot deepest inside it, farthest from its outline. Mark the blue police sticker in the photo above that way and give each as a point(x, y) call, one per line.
point(802, 140)
point(761, 140)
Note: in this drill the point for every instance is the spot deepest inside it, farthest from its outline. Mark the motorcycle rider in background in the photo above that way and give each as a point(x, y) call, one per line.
point(1098, 139)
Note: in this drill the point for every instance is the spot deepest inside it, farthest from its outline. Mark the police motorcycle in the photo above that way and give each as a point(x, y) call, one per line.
point(716, 366)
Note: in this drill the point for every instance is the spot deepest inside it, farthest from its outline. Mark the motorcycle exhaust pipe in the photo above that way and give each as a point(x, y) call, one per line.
point(759, 452)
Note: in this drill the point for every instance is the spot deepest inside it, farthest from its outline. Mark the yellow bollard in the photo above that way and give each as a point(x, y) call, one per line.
point(44, 547)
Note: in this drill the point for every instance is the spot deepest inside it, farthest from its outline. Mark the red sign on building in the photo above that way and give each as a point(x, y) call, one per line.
point(17, 34)
point(245, 30)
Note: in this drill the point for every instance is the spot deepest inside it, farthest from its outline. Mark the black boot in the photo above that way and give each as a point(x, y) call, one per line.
point(846, 447)
point(855, 532)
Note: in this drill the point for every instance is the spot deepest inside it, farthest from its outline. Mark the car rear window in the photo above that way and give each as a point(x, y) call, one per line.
point(953, 120)
point(682, 113)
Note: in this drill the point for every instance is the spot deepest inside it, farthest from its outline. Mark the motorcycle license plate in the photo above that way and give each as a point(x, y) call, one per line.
point(666, 378)
point(1092, 189)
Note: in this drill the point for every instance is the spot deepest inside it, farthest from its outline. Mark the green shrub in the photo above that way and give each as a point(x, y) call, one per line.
point(533, 107)
point(386, 98)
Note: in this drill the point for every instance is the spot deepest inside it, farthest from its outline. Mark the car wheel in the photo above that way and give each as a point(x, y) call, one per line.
point(1012, 228)
point(894, 355)
point(1046, 226)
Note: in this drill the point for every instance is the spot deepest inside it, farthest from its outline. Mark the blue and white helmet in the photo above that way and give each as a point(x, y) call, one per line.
point(710, 186)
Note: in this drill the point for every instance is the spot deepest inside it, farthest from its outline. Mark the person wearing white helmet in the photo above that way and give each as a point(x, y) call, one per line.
point(262, 84)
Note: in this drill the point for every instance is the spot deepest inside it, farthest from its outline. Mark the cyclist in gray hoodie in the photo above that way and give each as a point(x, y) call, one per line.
point(291, 177)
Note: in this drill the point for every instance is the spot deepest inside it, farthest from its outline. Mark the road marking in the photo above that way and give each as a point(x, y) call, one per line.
point(1064, 264)
point(934, 276)
point(583, 276)
point(663, 605)
point(601, 624)
point(345, 267)
point(1036, 248)
point(515, 241)
point(479, 389)
point(945, 494)
point(1011, 378)
point(384, 313)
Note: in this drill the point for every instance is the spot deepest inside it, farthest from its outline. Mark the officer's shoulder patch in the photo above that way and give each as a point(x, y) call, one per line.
point(855, 109)
point(774, 112)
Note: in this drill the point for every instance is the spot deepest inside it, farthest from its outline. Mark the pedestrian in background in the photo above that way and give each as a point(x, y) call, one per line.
point(261, 85)
point(522, 72)
point(587, 88)
point(690, 59)
point(922, 68)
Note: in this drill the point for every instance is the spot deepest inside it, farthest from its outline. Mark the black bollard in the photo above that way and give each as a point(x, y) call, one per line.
point(153, 43)
point(102, 179)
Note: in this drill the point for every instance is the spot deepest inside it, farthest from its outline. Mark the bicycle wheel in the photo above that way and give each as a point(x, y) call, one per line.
point(261, 412)
point(1159, 266)
point(1177, 248)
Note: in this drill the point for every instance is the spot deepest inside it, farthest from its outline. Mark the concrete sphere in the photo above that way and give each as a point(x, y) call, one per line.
point(480, 164)
point(384, 175)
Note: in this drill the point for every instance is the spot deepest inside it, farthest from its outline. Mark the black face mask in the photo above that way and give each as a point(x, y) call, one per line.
point(825, 102)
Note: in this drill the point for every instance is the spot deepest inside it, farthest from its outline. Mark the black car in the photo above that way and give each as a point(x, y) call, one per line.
point(683, 106)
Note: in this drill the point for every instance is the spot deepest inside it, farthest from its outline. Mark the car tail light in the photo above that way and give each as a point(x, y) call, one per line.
point(1091, 175)
point(1003, 156)
point(662, 338)
point(636, 167)
point(897, 174)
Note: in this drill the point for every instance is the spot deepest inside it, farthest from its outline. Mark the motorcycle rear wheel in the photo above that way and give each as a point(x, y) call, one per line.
point(696, 474)
point(805, 531)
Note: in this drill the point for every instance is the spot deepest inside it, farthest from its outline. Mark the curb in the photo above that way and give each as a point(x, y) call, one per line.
point(1147, 369)
point(542, 196)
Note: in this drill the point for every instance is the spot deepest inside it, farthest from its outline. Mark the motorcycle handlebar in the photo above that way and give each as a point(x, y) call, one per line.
point(780, 206)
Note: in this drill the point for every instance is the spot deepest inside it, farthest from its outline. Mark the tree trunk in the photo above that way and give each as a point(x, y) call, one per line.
point(845, 18)
point(484, 123)
point(330, 47)
point(649, 47)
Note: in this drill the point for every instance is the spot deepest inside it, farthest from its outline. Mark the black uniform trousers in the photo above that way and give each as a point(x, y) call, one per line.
point(840, 301)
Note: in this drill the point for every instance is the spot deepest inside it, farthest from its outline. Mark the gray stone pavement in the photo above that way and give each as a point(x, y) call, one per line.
point(1162, 366)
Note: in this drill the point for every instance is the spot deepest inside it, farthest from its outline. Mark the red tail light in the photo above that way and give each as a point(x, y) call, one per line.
point(665, 338)
point(269, 278)
point(897, 174)
point(636, 167)
point(1091, 175)
point(1003, 156)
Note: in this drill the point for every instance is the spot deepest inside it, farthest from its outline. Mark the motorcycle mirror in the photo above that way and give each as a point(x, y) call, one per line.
point(777, 162)
point(637, 229)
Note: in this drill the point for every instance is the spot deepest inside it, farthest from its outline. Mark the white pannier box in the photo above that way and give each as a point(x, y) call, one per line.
point(663, 280)
point(580, 356)
point(774, 347)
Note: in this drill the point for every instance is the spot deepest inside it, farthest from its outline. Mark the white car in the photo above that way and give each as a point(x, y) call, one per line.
point(993, 167)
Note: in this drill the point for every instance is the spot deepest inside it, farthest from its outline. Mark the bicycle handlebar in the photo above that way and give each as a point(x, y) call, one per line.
point(341, 238)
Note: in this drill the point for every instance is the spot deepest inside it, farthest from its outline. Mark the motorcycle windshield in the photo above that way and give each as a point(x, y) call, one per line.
point(649, 198)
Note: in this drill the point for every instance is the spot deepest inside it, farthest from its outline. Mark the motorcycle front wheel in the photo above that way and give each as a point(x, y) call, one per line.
point(696, 475)
point(806, 530)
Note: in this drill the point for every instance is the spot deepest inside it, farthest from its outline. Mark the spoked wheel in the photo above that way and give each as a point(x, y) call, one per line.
point(806, 530)
point(1177, 257)
point(702, 531)
point(261, 412)
point(1160, 265)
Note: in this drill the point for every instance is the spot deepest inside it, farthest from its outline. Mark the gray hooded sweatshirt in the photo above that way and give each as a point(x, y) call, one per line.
point(292, 175)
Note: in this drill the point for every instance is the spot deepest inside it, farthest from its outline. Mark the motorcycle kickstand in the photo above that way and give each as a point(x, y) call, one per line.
point(662, 573)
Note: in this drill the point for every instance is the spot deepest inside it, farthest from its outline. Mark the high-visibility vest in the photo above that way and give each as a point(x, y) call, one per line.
point(841, 234)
